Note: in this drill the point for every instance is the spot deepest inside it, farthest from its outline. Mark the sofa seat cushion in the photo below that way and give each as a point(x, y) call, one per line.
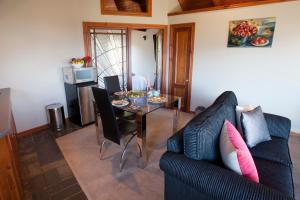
point(275, 175)
point(276, 150)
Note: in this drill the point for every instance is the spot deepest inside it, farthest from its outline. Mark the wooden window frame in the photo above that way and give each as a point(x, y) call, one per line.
point(127, 13)
point(129, 27)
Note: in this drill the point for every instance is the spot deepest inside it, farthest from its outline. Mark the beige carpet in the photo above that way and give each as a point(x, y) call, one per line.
point(101, 179)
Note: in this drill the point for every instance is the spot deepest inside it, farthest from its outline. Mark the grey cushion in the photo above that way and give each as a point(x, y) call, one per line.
point(255, 127)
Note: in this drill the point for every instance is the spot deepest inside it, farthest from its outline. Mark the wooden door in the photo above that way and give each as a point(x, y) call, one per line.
point(181, 62)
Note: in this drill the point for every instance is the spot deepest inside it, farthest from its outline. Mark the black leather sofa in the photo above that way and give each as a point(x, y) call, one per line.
point(192, 179)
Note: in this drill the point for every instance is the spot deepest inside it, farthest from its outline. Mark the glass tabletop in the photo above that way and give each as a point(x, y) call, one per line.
point(143, 106)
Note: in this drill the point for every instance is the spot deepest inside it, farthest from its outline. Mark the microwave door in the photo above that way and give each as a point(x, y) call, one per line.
point(83, 76)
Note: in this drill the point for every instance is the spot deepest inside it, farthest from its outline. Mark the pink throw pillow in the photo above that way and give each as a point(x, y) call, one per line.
point(235, 153)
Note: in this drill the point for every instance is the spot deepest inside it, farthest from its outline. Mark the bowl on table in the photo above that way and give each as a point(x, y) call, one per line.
point(119, 103)
point(137, 97)
point(157, 100)
point(119, 95)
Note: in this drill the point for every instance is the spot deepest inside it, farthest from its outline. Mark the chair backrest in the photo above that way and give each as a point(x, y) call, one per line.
point(112, 84)
point(109, 123)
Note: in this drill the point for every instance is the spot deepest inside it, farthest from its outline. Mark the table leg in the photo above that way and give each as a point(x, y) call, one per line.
point(176, 115)
point(141, 138)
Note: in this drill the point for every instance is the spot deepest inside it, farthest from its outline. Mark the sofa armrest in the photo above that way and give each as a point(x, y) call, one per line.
point(216, 181)
point(175, 143)
point(278, 126)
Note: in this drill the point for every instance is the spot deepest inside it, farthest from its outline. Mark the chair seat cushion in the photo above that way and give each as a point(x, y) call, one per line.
point(275, 175)
point(276, 150)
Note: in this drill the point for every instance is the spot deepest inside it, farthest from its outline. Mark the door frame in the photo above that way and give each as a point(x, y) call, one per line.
point(129, 26)
point(172, 59)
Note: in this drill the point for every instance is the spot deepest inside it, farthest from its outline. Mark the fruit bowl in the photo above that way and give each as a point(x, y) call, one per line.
point(137, 97)
point(77, 65)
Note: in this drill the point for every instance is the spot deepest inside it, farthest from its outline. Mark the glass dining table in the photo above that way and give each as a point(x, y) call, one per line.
point(141, 110)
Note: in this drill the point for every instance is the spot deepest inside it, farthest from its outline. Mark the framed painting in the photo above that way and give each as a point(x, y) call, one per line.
point(127, 7)
point(251, 32)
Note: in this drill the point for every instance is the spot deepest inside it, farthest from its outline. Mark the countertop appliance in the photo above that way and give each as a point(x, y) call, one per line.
point(73, 75)
point(80, 102)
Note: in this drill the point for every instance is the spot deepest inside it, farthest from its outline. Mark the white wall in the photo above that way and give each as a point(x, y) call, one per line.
point(142, 54)
point(259, 76)
point(37, 38)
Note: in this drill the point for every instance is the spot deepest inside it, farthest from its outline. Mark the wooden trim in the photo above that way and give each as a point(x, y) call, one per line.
point(129, 75)
point(171, 49)
point(32, 131)
point(128, 26)
point(125, 13)
point(164, 60)
point(229, 6)
point(295, 134)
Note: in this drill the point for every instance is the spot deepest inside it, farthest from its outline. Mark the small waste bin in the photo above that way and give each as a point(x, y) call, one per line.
point(56, 116)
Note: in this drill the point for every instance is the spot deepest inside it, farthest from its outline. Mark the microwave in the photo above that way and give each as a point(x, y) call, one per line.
point(74, 75)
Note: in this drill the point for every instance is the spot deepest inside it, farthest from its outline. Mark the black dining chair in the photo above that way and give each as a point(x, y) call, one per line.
point(113, 130)
point(112, 84)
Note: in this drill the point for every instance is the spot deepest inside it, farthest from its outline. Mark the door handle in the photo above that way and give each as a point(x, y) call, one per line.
point(187, 81)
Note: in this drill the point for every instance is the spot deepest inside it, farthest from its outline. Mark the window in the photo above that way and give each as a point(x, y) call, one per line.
point(109, 54)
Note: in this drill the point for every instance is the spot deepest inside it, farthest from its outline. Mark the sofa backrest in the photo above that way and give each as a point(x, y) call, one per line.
point(201, 135)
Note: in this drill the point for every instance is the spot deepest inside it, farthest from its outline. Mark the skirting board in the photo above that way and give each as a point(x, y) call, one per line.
point(32, 131)
point(295, 134)
point(36, 130)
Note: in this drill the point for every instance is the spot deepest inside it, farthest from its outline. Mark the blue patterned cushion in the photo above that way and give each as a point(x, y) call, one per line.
point(227, 97)
point(201, 135)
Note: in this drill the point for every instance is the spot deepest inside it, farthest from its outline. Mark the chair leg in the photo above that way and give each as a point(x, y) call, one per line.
point(101, 149)
point(124, 151)
point(140, 149)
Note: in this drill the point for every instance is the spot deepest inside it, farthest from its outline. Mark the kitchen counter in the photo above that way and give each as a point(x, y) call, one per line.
point(5, 112)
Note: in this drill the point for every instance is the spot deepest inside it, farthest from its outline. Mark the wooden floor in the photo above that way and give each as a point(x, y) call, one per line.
point(46, 175)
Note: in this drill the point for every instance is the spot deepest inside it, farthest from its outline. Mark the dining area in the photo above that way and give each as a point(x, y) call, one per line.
point(121, 117)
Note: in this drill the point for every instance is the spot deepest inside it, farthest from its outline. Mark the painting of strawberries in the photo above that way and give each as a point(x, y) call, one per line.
point(251, 32)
